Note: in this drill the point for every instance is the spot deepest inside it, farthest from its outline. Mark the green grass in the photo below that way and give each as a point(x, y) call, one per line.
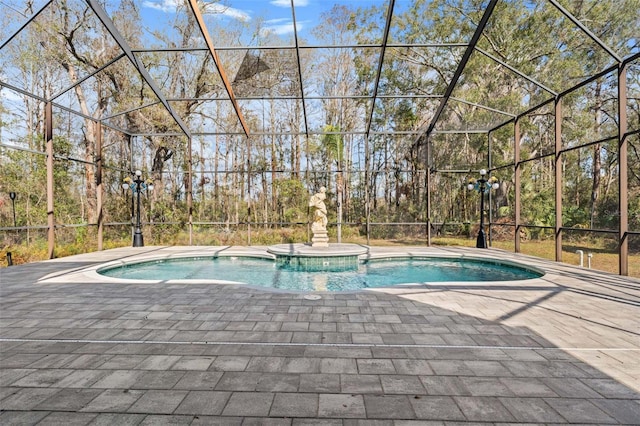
point(604, 259)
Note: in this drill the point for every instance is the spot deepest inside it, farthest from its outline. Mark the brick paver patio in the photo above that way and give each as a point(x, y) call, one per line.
point(78, 350)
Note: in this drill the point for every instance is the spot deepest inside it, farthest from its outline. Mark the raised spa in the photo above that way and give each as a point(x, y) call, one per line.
point(292, 276)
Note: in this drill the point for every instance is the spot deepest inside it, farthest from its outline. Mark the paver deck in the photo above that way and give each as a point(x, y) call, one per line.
point(79, 349)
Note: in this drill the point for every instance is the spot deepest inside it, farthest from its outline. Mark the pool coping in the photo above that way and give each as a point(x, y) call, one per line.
point(90, 274)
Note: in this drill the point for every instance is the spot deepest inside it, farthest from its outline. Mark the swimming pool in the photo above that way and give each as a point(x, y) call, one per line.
point(368, 274)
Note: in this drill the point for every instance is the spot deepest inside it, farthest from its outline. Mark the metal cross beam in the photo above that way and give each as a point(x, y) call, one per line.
point(387, 28)
point(223, 75)
point(295, 35)
point(515, 71)
point(585, 30)
point(461, 66)
point(120, 40)
point(19, 30)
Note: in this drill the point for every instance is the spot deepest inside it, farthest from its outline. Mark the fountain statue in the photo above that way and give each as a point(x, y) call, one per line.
point(319, 255)
point(319, 225)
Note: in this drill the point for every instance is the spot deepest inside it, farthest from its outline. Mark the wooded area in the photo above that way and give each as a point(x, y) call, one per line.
point(392, 106)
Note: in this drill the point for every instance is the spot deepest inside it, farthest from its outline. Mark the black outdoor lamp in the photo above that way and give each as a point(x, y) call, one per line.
point(137, 185)
point(12, 195)
point(482, 185)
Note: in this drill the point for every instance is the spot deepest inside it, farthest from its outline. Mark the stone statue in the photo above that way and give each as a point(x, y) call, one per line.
point(319, 225)
point(320, 214)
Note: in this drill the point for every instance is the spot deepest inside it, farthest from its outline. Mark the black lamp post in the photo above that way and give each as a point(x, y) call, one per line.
point(12, 195)
point(137, 184)
point(482, 185)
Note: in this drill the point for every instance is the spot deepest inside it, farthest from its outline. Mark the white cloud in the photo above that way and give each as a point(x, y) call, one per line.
point(164, 5)
point(280, 29)
point(219, 9)
point(287, 3)
point(170, 6)
point(282, 26)
point(276, 21)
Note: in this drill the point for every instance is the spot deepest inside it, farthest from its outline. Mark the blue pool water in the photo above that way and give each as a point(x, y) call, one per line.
point(370, 274)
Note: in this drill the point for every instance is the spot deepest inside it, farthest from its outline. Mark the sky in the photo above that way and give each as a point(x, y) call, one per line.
point(277, 13)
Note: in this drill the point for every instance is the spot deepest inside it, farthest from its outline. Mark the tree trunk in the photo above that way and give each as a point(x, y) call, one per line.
point(597, 157)
point(89, 148)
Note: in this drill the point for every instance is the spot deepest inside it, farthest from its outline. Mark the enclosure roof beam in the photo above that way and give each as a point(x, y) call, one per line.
point(515, 71)
point(452, 170)
point(56, 156)
point(459, 131)
point(353, 170)
point(523, 114)
point(118, 129)
point(591, 79)
point(223, 75)
point(88, 117)
point(461, 66)
point(587, 144)
point(354, 132)
point(385, 37)
point(237, 133)
point(535, 107)
point(631, 58)
point(62, 107)
point(33, 17)
point(21, 91)
point(162, 134)
point(21, 148)
point(73, 111)
point(118, 114)
point(120, 40)
point(504, 123)
point(279, 133)
point(586, 30)
point(482, 106)
point(284, 98)
point(87, 77)
point(288, 47)
point(571, 89)
point(295, 37)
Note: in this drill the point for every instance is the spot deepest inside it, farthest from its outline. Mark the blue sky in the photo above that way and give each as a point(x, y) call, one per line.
point(277, 13)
